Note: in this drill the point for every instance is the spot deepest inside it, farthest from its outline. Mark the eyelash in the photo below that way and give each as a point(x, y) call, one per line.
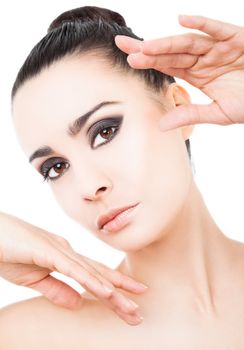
point(101, 125)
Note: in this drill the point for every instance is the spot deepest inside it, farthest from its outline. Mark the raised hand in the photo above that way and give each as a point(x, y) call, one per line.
point(213, 63)
point(28, 254)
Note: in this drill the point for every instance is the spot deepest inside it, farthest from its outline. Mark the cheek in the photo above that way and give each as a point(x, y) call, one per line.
point(159, 176)
point(155, 171)
point(67, 199)
point(167, 180)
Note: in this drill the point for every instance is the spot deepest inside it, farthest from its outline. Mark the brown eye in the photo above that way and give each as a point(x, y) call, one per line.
point(105, 134)
point(105, 130)
point(49, 171)
point(58, 169)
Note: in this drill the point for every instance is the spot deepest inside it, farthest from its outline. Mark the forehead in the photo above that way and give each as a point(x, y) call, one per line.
point(65, 90)
point(70, 77)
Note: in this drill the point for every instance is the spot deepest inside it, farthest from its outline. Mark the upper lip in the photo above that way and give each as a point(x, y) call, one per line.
point(109, 215)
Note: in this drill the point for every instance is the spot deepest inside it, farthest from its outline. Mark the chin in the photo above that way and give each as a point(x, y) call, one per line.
point(133, 237)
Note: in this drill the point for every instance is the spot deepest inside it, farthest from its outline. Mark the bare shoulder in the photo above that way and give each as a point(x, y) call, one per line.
point(37, 323)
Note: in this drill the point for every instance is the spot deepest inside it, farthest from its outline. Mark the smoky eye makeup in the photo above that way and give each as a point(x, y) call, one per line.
point(104, 124)
point(103, 130)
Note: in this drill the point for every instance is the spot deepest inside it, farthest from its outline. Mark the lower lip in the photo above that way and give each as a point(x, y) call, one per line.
point(119, 221)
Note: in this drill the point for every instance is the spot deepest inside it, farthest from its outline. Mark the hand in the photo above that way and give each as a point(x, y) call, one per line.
point(213, 63)
point(28, 254)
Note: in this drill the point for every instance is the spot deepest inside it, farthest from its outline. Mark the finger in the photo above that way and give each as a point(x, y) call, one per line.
point(128, 44)
point(117, 278)
point(70, 267)
point(65, 254)
point(132, 319)
point(221, 54)
point(58, 292)
point(115, 300)
point(176, 72)
point(195, 44)
point(102, 271)
point(217, 29)
point(62, 241)
point(95, 284)
point(73, 265)
point(160, 62)
point(193, 114)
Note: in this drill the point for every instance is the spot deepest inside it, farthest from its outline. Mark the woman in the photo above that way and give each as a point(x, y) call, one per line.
point(173, 244)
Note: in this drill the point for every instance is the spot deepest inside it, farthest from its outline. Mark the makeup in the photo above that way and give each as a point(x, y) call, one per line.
point(119, 221)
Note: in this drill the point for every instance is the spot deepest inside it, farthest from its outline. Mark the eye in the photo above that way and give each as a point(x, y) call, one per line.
point(104, 130)
point(52, 167)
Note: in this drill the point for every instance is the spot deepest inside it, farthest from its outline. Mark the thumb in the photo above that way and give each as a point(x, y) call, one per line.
point(189, 114)
point(58, 292)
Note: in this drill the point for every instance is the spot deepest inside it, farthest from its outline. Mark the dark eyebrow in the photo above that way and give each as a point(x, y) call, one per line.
point(73, 129)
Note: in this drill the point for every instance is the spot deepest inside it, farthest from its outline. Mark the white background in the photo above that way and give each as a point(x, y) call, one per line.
point(217, 151)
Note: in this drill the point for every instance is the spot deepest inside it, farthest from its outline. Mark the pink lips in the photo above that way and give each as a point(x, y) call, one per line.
point(111, 214)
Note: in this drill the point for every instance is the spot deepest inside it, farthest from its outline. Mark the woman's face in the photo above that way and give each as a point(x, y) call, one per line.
point(119, 158)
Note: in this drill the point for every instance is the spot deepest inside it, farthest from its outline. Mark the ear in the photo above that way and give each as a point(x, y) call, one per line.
point(177, 95)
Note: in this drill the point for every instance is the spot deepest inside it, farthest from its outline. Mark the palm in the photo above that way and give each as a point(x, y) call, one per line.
point(213, 63)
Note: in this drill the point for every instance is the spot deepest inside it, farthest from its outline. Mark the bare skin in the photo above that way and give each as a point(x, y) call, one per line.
point(193, 270)
point(95, 327)
point(207, 313)
point(212, 61)
point(29, 254)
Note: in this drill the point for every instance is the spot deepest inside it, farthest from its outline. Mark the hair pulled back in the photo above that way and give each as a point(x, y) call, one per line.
point(83, 30)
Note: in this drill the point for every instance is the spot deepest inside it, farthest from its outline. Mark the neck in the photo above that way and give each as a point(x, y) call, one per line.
point(186, 266)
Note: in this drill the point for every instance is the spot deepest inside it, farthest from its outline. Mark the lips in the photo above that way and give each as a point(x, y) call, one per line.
point(103, 219)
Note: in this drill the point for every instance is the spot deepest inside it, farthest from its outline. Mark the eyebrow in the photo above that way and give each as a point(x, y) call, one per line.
point(73, 129)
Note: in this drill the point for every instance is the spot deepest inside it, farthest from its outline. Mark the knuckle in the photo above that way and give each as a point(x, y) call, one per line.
point(117, 276)
point(70, 268)
point(108, 297)
point(89, 283)
point(64, 242)
point(153, 62)
point(238, 39)
point(223, 47)
point(170, 45)
point(175, 60)
point(191, 39)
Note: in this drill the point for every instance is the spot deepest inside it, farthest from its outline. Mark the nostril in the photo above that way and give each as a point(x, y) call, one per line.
point(102, 189)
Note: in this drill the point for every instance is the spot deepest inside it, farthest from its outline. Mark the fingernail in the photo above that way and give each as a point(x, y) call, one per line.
point(133, 303)
point(109, 290)
point(139, 318)
point(141, 285)
point(133, 55)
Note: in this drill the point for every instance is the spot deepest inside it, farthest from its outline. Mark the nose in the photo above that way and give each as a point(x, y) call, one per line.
point(97, 194)
point(91, 182)
point(90, 179)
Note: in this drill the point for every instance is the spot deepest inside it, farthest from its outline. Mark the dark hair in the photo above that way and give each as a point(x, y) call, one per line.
point(82, 30)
